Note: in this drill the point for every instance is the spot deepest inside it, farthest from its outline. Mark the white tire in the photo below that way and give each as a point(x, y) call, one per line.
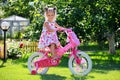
point(34, 57)
point(85, 66)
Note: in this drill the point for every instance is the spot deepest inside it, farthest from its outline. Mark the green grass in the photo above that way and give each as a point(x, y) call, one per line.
point(105, 67)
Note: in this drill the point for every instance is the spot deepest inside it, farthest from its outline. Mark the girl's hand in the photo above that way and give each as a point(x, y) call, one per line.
point(61, 29)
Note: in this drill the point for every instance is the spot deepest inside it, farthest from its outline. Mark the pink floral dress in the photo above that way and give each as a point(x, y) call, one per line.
point(47, 37)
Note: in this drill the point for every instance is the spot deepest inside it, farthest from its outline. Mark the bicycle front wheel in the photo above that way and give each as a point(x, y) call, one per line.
point(84, 67)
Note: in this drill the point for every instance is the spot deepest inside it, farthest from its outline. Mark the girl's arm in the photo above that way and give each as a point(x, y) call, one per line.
point(58, 26)
point(48, 27)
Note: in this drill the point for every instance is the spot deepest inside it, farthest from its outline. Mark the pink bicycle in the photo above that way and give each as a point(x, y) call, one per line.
point(79, 62)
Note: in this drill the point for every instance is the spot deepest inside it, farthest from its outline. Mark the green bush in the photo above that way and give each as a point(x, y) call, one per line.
point(14, 53)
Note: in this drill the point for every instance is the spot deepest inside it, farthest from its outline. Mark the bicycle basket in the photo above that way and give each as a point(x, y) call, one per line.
point(73, 39)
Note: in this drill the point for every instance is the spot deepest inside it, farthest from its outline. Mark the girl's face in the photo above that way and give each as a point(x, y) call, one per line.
point(50, 15)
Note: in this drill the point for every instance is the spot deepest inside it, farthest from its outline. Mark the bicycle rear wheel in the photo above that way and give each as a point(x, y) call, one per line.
point(33, 58)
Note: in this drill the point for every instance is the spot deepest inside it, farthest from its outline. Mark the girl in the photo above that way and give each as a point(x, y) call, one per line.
point(49, 37)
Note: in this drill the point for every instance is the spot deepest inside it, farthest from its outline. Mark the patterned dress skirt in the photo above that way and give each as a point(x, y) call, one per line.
point(48, 38)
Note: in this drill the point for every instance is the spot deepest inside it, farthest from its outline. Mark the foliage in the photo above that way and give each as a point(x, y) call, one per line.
point(14, 53)
point(18, 35)
point(1, 13)
point(14, 49)
point(91, 20)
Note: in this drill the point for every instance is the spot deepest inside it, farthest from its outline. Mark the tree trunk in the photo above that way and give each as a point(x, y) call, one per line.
point(111, 41)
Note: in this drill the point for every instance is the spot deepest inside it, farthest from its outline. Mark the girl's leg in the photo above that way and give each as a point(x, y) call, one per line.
point(52, 49)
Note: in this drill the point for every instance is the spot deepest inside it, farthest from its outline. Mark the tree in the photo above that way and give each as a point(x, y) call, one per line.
point(107, 14)
point(92, 20)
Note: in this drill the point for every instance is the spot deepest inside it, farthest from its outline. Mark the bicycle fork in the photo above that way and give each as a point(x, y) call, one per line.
point(76, 56)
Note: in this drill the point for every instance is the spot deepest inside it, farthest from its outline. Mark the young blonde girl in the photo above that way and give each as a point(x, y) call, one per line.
point(48, 36)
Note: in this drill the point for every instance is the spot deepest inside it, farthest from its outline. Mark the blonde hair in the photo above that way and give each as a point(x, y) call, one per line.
point(54, 10)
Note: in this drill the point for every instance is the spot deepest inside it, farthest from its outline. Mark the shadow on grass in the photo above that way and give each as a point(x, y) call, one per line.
point(2, 65)
point(106, 62)
point(58, 77)
point(77, 77)
point(52, 77)
point(100, 61)
point(64, 61)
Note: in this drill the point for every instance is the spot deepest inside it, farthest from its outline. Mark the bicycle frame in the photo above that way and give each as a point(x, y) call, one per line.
point(72, 44)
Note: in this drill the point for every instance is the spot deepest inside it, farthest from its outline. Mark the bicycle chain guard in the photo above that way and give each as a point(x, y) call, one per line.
point(47, 62)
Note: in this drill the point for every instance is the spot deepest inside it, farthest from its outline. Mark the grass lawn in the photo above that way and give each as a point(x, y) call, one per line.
point(105, 67)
